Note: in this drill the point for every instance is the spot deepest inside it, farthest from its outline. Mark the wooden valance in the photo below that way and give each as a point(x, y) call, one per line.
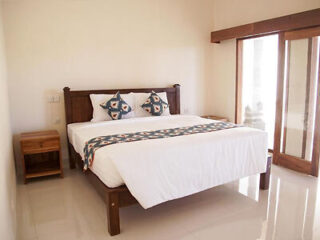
point(286, 23)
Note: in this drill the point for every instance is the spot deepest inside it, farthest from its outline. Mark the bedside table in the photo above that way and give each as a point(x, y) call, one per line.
point(222, 119)
point(41, 154)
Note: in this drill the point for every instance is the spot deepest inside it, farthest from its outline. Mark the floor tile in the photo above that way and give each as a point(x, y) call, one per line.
point(69, 208)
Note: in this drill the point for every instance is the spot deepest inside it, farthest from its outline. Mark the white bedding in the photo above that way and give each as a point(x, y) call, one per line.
point(160, 170)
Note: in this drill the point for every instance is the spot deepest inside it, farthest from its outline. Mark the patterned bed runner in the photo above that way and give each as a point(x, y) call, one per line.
point(98, 142)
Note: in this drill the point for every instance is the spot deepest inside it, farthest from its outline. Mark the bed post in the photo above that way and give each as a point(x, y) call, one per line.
point(177, 87)
point(67, 102)
point(265, 177)
point(112, 204)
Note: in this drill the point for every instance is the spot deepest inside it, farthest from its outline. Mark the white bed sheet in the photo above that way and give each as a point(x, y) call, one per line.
point(159, 170)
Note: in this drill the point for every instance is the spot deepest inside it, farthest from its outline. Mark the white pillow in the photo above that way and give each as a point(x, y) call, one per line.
point(100, 114)
point(140, 98)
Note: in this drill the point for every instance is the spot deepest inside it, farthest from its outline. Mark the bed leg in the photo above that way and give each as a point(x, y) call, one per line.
point(265, 177)
point(113, 213)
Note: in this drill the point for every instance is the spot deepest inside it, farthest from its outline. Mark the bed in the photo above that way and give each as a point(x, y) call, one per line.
point(158, 170)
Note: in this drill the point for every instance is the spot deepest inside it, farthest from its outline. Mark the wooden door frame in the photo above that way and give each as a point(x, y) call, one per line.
point(316, 138)
point(295, 163)
point(239, 81)
point(279, 104)
point(291, 27)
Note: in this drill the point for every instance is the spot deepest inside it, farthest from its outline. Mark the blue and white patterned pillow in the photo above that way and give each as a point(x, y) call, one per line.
point(116, 107)
point(155, 105)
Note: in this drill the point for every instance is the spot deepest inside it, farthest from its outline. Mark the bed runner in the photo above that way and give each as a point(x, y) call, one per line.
point(98, 142)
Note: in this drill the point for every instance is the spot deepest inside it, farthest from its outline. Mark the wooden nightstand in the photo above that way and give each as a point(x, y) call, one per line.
point(223, 119)
point(41, 154)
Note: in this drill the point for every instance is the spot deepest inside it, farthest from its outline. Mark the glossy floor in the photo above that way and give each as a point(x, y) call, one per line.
point(69, 208)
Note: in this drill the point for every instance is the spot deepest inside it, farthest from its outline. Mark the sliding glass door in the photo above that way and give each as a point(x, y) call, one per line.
point(257, 83)
point(296, 143)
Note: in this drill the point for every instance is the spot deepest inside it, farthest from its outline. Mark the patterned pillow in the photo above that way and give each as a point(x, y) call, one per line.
point(116, 107)
point(154, 105)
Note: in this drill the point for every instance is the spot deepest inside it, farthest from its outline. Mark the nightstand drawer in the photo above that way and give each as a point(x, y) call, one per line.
point(40, 145)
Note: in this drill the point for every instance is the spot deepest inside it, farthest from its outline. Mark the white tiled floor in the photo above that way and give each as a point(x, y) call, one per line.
point(69, 208)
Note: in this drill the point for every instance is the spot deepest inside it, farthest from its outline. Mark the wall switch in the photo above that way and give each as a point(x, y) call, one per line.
point(56, 98)
point(50, 99)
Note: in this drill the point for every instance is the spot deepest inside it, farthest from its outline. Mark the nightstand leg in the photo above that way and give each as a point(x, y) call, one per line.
point(24, 169)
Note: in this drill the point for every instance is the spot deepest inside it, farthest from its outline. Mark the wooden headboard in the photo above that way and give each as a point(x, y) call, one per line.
point(79, 108)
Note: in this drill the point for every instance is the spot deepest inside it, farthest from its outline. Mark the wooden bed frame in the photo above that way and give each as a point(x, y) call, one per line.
point(78, 108)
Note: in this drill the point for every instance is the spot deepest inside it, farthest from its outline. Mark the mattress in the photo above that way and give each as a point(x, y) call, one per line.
point(159, 170)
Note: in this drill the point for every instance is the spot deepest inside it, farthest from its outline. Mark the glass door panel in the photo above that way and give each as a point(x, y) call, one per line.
point(258, 76)
point(299, 140)
point(297, 100)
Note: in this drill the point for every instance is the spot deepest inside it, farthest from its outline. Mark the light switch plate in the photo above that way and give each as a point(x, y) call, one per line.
point(56, 98)
point(50, 99)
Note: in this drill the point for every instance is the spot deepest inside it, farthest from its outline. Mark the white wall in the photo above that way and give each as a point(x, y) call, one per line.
point(100, 44)
point(231, 13)
point(95, 44)
point(7, 171)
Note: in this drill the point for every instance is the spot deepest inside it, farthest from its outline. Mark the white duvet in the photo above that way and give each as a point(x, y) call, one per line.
point(159, 170)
